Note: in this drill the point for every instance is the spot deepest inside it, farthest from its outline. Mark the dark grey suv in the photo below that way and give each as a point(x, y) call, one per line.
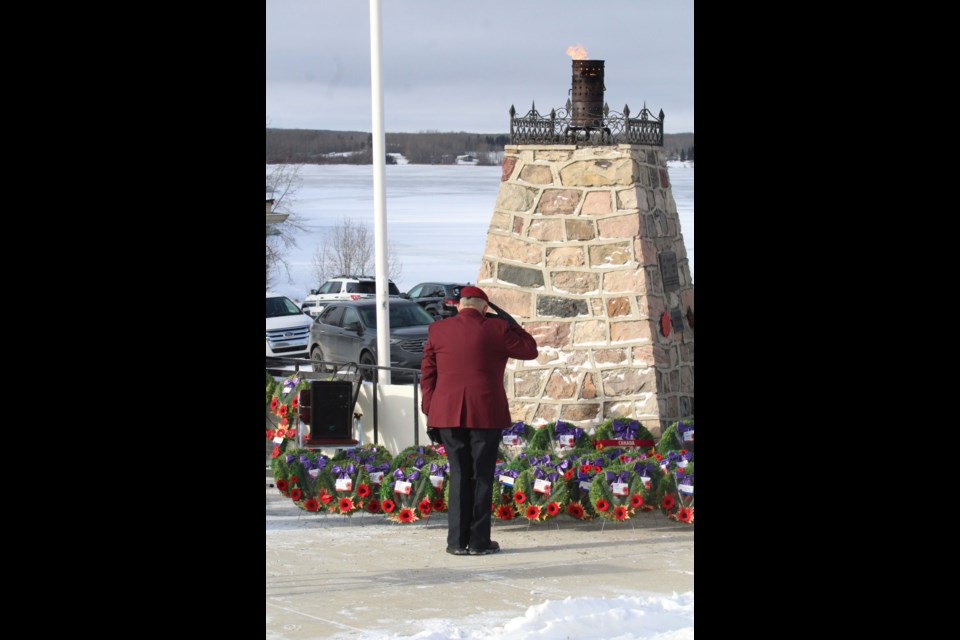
point(440, 299)
point(346, 331)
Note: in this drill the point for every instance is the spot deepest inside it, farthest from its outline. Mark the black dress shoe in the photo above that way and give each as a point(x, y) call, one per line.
point(457, 551)
point(493, 548)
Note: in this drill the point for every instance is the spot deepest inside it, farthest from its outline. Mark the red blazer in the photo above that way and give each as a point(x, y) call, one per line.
point(462, 370)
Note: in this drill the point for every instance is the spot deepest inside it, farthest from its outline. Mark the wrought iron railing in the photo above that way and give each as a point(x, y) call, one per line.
point(614, 128)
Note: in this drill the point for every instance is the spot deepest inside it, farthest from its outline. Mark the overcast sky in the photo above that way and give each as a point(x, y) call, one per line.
point(458, 65)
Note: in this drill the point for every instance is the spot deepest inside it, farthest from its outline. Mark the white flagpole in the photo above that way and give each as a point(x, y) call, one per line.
point(379, 197)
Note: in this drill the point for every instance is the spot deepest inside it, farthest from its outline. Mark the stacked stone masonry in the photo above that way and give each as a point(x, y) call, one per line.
point(585, 250)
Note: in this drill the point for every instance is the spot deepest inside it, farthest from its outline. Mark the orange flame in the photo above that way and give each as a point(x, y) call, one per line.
point(577, 52)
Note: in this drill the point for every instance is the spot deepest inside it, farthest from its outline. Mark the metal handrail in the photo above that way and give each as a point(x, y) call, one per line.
point(308, 369)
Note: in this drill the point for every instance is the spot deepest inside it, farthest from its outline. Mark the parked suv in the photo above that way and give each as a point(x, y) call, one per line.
point(346, 331)
point(440, 299)
point(288, 328)
point(344, 288)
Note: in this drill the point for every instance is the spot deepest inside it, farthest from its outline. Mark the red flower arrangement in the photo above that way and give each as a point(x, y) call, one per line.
point(273, 403)
point(617, 493)
point(568, 474)
point(506, 512)
point(282, 411)
point(295, 494)
point(373, 505)
point(685, 514)
point(282, 484)
point(575, 510)
point(269, 434)
point(539, 491)
point(324, 496)
point(294, 479)
point(424, 506)
point(668, 501)
point(311, 504)
point(439, 505)
point(388, 506)
point(276, 451)
point(346, 505)
point(407, 515)
point(363, 490)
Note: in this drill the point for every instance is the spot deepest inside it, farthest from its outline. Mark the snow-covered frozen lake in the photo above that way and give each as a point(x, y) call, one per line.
point(437, 217)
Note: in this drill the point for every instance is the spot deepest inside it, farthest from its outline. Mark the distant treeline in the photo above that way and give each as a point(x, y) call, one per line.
point(309, 146)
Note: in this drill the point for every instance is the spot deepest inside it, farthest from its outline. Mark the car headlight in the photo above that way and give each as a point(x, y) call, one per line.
point(396, 340)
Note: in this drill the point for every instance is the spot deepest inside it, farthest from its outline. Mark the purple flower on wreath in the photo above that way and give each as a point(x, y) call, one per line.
point(673, 456)
point(688, 456)
point(289, 458)
point(516, 429)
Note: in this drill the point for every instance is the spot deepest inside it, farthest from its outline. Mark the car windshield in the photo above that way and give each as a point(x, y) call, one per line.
point(370, 287)
point(282, 307)
point(407, 315)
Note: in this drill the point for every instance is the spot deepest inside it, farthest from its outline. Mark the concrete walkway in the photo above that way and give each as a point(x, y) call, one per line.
point(334, 576)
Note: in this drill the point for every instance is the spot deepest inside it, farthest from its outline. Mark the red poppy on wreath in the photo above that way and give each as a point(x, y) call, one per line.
point(602, 505)
point(553, 509)
point(295, 494)
point(346, 505)
point(636, 500)
point(284, 422)
point(658, 457)
point(388, 506)
point(646, 507)
point(281, 432)
point(568, 474)
point(311, 504)
point(668, 502)
point(682, 451)
point(273, 403)
point(373, 506)
point(438, 504)
point(597, 468)
point(291, 433)
point(519, 498)
point(282, 411)
point(294, 479)
point(575, 509)
point(407, 515)
point(620, 513)
point(324, 497)
point(506, 498)
point(282, 485)
point(586, 468)
point(685, 514)
point(506, 512)
point(533, 512)
point(424, 506)
point(363, 490)
point(276, 451)
point(295, 402)
point(269, 433)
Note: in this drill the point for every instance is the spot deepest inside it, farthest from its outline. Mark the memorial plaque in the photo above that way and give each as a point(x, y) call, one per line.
point(668, 270)
point(676, 320)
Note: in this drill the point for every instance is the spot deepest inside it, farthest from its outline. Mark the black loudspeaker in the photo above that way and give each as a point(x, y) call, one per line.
point(331, 410)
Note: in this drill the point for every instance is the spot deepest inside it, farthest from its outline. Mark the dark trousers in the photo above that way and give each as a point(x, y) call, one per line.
point(472, 454)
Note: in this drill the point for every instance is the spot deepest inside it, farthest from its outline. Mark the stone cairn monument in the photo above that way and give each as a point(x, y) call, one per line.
point(584, 249)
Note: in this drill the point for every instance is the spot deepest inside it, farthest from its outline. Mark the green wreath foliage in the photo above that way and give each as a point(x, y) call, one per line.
point(671, 441)
point(294, 474)
point(420, 489)
point(617, 508)
point(362, 490)
point(544, 439)
point(547, 506)
point(409, 456)
point(605, 432)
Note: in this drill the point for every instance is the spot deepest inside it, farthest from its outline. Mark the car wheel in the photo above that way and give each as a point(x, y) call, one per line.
point(368, 375)
point(317, 356)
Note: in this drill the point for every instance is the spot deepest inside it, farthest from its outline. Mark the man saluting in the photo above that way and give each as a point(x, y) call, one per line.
point(464, 398)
